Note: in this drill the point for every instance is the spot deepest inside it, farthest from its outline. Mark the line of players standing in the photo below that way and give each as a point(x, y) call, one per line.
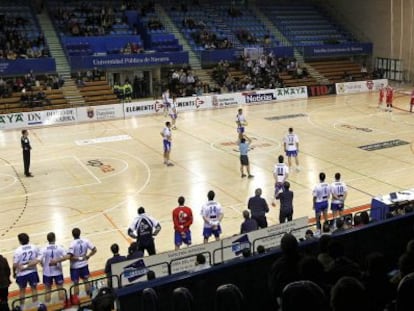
point(28, 256)
point(322, 192)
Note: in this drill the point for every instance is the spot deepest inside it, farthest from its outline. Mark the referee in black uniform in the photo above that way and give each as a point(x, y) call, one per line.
point(26, 152)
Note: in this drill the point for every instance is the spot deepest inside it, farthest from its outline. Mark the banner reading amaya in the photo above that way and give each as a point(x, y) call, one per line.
point(38, 118)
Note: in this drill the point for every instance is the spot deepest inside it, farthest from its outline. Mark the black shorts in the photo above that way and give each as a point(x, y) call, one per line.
point(244, 160)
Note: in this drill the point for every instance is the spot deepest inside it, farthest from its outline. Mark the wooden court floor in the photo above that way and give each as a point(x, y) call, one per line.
point(70, 188)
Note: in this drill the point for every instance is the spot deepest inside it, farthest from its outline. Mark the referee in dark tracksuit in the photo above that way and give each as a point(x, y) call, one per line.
point(26, 152)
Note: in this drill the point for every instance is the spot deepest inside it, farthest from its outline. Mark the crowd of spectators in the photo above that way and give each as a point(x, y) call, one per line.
point(209, 40)
point(183, 82)
point(16, 43)
point(28, 84)
point(88, 19)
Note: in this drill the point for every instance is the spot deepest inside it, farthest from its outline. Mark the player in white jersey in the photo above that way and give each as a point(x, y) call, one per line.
point(172, 111)
point(321, 194)
point(241, 122)
point(50, 258)
point(291, 145)
point(79, 256)
point(24, 266)
point(280, 173)
point(166, 141)
point(212, 214)
point(166, 101)
point(339, 192)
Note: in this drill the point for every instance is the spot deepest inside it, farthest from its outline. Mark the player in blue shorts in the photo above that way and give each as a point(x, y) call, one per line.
point(166, 141)
point(172, 111)
point(24, 266)
point(241, 123)
point(182, 218)
point(291, 145)
point(212, 214)
point(51, 257)
point(321, 194)
point(79, 257)
point(339, 192)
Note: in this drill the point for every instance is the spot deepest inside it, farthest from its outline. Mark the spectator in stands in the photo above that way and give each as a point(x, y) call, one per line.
point(201, 263)
point(249, 224)
point(405, 293)
point(134, 252)
point(258, 208)
point(261, 249)
point(326, 227)
point(365, 218)
point(5, 282)
point(380, 292)
point(151, 275)
point(246, 253)
point(324, 258)
point(357, 221)
point(349, 294)
point(340, 226)
point(285, 269)
point(341, 265)
point(405, 265)
point(114, 259)
point(309, 236)
point(304, 295)
point(364, 70)
point(312, 269)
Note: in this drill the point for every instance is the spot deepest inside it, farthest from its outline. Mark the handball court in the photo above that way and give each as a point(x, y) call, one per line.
point(94, 176)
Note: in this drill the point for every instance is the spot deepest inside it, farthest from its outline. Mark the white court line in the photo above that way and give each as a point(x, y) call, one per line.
point(104, 211)
point(41, 160)
point(87, 169)
point(10, 184)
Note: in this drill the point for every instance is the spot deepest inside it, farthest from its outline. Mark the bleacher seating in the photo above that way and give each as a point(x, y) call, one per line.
point(98, 93)
point(334, 70)
point(20, 35)
point(54, 100)
point(214, 21)
point(305, 24)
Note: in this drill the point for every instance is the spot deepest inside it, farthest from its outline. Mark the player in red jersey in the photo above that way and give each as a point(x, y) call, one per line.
point(389, 94)
point(412, 101)
point(381, 96)
point(182, 218)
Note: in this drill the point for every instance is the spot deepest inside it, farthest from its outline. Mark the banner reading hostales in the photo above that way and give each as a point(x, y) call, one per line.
point(360, 86)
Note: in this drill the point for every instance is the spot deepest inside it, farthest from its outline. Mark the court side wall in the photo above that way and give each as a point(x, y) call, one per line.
point(386, 23)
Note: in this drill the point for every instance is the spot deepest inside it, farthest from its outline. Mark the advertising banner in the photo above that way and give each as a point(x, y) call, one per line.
point(127, 60)
point(354, 48)
point(321, 90)
point(268, 237)
point(38, 118)
point(100, 113)
point(23, 66)
point(360, 86)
